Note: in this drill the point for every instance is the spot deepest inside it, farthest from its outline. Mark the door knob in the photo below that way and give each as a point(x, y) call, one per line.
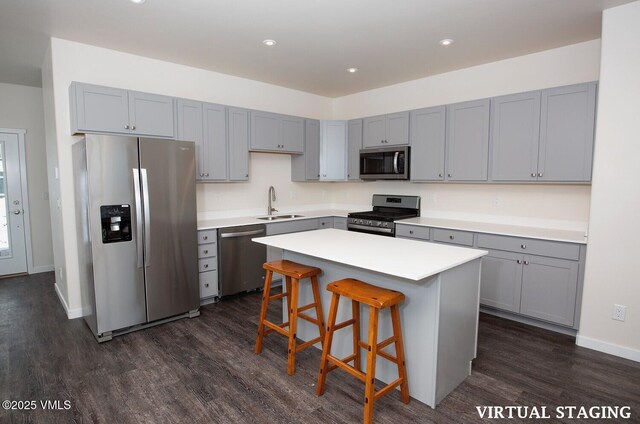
point(16, 212)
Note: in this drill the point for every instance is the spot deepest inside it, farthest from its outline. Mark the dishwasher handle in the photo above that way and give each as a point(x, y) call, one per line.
point(242, 234)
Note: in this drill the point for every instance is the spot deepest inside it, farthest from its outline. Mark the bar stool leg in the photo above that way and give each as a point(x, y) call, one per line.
point(326, 348)
point(369, 391)
point(263, 310)
point(293, 325)
point(288, 287)
point(355, 310)
point(402, 368)
point(316, 300)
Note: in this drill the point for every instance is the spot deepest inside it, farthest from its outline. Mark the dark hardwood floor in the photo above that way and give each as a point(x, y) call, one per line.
point(203, 370)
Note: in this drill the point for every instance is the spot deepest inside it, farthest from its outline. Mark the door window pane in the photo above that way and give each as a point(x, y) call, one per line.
point(4, 207)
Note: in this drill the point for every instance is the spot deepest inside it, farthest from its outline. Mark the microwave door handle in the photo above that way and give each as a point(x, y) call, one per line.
point(395, 163)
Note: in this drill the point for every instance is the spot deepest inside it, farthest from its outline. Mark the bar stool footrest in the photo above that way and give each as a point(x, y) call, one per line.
point(277, 328)
point(278, 296)
point(344, 324)
point(386, 389)
point(307, 344)
point(348, 368)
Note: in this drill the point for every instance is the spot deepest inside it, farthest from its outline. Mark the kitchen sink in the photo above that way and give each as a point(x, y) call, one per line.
point(274, 217)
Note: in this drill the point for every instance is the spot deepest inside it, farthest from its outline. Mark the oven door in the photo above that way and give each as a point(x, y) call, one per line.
point(389, 163)
point(389, 232)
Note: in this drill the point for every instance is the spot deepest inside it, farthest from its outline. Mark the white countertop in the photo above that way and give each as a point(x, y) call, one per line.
point(409, 259)
point(207, 224)
point(556, 234)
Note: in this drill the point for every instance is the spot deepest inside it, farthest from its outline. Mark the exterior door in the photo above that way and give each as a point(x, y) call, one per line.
point(168, 176)
point(13, 255)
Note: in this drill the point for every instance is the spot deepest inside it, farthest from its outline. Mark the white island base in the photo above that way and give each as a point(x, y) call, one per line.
point(439, 315)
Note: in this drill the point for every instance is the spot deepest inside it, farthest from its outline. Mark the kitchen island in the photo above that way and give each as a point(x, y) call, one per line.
point(439, 316)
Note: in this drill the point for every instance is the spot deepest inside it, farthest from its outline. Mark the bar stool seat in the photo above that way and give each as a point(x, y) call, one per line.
point(293, 273)
point(376, 298)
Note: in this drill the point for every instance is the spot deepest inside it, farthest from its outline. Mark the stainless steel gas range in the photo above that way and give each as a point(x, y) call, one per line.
point(387, 208)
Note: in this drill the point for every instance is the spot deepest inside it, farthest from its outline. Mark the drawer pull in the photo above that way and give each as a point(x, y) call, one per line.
point(526, 262)
point(206, 252)
point(451, 237)
point(205, 237)
point(206, 284)
point(518, 261)
point(524, 246)
point(206, 266)
point(410, 231)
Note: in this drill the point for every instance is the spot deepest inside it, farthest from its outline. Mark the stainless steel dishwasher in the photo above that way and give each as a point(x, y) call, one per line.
point(241, 259)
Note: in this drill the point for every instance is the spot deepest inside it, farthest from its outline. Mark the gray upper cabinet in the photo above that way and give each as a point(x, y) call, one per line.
point(354, 143)
point(549, 289)
point(104, 109)
point(333, 151)
point(215, 142)
point(151, 114)
point(190, 128)
point(515, 132)
point(567, 133)
point(306, 167)
point(468, 141)
point(238, 143)
point(272, 132)
point(383, 130)
point(428, 144)
point(99, 109)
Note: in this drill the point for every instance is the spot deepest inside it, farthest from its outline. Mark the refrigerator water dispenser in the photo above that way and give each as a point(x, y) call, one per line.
point(116, 223)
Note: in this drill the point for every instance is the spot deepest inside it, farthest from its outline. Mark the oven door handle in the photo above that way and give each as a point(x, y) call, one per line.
point(395, 163)
point(376, 229)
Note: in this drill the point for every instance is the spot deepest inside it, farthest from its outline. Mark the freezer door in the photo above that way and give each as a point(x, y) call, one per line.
point(168, 174)
point(112, 177)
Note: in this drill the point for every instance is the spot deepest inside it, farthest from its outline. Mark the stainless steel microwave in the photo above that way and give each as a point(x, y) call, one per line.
point(387, 163)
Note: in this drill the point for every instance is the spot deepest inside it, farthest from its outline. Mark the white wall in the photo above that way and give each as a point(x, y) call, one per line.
point(72, 61)
point(612, 274)
point(21, 107)
point(566, 65)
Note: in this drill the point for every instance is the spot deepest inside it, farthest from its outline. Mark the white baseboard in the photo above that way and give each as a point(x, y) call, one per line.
point(71, 313)
point(42, 268)
point(610, 348)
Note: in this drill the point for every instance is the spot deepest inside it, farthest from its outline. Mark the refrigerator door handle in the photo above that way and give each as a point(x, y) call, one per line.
point(147, 218)
point(139, 230)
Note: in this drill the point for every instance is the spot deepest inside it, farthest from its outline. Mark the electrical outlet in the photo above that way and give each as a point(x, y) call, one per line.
point(497, 201)
point(619, 312)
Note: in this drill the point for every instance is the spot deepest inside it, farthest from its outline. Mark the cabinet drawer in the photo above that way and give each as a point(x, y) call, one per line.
point(453, 236)
point(325, 223)
point(413, 231)
point(207, 250)
point(207, 236)
point(555, 249)
point(208, 283)
point(292, 226)
point(208, 264)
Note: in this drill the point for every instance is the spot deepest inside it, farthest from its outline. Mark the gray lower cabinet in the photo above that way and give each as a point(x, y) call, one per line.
point(515, 135)
point(238, 143)
point(567, 133)
point(306, 167)
point(208, 264)
point(339, 223)
point(428, 144)
point(468, 141)
point(535, 278)
point(272, 132)
point(354, 144)
point(385, 130)
point(96, 108)
point(326, 222)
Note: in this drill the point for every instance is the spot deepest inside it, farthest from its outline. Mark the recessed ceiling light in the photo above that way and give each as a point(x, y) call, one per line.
point(137, 1)
point(446, 42)
point(269, 42)
point(352, 70)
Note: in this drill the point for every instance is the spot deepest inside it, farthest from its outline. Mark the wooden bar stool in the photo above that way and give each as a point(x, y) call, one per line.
point(293, 272)
point(376, 298)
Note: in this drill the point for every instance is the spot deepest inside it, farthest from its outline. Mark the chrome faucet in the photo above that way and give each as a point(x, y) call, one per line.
point(272, 198)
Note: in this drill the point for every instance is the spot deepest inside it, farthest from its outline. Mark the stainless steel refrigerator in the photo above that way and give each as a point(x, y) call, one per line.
point(136, 230)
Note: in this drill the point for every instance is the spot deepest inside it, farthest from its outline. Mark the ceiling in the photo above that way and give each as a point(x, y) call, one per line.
point(390, 41)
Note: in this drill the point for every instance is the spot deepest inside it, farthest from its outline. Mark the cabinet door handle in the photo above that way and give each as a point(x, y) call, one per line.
point(524, 246)
point(518, 261)
point(133, 127)
point(449, 175)
point(540, 174)
point(533, 174)
point(246, 175)
point(126, 127)
point(206, 284)
point(410, 231)
point(526, 262)
point(206, 175)
point(440, 175)
point(451, 237)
